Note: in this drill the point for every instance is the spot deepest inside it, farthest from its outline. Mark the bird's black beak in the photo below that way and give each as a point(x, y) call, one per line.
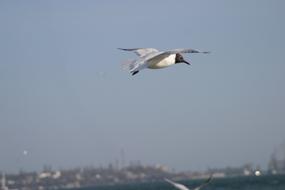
point(186, 62)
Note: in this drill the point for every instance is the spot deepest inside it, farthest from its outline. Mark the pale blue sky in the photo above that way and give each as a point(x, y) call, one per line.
point(65, 98)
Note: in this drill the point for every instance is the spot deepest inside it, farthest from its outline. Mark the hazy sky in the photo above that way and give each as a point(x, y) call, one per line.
point(66, 101)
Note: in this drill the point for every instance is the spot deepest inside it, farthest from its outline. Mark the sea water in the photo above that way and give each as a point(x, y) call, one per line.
point(269, 182)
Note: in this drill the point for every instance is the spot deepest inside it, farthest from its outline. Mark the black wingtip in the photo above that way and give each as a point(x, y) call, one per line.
point(125, 49)
point(129, 49)
point(135, 72)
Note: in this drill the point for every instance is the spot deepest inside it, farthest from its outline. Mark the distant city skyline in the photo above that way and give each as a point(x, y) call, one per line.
point(65, 101)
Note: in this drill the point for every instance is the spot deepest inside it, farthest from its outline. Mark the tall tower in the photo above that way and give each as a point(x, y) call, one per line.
point(123, 164)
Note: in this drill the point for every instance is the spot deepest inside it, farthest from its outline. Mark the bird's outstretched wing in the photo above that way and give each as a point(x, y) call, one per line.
point(177, 185)
point(164, 54)
point(141, 52)
point(187, 50)
point(204, 184)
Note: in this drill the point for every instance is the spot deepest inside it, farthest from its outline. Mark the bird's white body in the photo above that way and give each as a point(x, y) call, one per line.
point(159, 64)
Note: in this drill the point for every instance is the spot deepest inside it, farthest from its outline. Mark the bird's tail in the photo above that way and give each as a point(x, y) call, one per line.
point(129, 65)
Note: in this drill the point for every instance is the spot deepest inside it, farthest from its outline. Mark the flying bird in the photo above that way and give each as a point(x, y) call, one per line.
point(183, 187)
point(153, 59)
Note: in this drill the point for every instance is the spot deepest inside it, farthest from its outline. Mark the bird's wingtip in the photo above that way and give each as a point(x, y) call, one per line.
point(128, 49)
point(168, 180)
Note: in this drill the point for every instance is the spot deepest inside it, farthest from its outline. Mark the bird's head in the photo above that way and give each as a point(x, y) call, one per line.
point(179, 59)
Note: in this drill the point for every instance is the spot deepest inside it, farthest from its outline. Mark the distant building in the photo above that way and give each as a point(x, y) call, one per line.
point(276, 163)
point(276, 166)
point(3, 182)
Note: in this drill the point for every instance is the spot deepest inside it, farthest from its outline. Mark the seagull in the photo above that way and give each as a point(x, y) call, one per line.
point(183, 187)
point(153, 59)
